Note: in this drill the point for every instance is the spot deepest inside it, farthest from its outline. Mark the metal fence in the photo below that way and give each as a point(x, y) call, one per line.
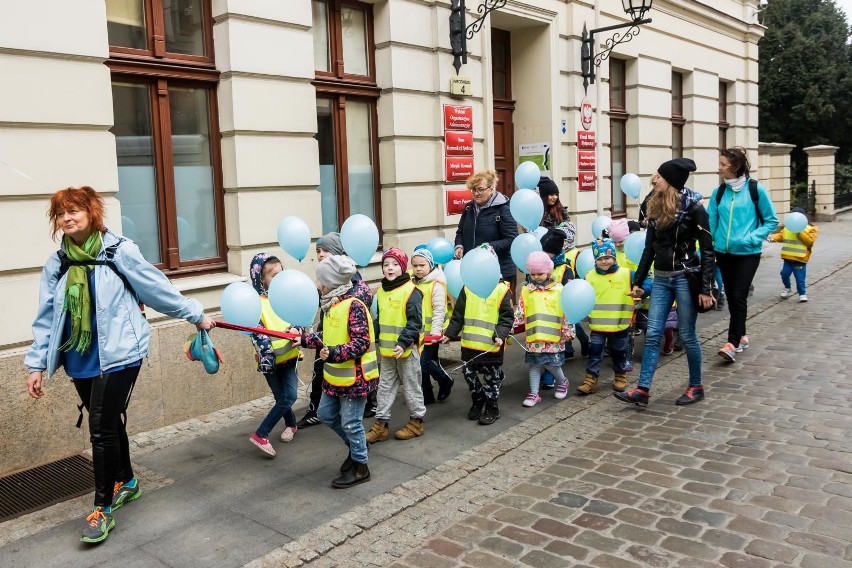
point(842, 191)
point(805, 198)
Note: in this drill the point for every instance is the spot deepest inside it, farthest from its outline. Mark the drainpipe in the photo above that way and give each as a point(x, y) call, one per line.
point(598, 115)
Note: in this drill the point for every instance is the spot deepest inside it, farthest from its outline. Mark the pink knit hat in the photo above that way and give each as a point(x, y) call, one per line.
point(618, 230)
point(396, 254)
point(539, 262)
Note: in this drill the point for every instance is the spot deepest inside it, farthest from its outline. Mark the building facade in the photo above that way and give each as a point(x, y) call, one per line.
point(204, 123)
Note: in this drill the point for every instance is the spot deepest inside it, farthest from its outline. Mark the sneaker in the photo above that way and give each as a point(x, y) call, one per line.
point(489, 415)
point(743, 344)
point(786, 293)
point(547, 380)
point(124, 493)
point(803, 298)
point(561, 391)
point(370, 411)
point(668, 349)
point(691, 396)
point(727, 352)
point(532, 399)
point(635, 396)
point(98, 524)
point(288, 433)
point(263, 444)
point(445, 387)
point(475, 410)
point(309, 419)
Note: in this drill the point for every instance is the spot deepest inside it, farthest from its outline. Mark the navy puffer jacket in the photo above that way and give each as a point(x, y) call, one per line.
point(494, 225)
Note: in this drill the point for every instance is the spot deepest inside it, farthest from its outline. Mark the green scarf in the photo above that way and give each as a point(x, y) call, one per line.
point(78, 300)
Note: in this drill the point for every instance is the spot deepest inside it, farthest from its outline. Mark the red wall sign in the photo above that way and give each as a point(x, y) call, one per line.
point(585, 140)
point(458, 143)
point(586, 160)
point(459, 169)
point(586, 181)
point(456, 200)
point(458, 117)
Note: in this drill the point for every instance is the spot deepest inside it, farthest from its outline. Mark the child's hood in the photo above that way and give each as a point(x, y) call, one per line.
point(256, 272)
point(436, 275)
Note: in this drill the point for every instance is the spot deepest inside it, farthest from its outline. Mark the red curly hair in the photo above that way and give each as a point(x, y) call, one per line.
point(81, 198)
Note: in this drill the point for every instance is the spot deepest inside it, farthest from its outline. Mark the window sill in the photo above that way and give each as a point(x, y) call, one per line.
point(206, 281)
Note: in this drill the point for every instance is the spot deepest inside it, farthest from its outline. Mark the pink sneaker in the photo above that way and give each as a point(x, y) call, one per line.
point(263, 444)
point(532, 399)
point(288, 433)
point(561, 391)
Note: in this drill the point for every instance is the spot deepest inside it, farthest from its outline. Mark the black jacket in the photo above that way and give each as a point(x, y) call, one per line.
point(504, 328)
point(494, 225)
point(673, 248)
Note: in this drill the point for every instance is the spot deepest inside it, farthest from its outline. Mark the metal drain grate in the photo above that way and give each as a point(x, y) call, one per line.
point(45, 485)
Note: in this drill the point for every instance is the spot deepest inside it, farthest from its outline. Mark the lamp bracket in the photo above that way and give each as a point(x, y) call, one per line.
point(589, 59)
point(483, 10)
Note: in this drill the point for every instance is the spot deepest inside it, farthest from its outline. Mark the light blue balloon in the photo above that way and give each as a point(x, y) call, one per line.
point(527, 175)
point(360, 238)
point(578, 300)
point(527, 208)
point(293, 296)
point(480, 272)
point(795, 222)
point(442, 250)
point(540, 232)
point(294, 237)
point(585, 263)
point(522, 246)
point(631, 185)
point(599, 225)
point(634, 246)
point(452, 271)
point(240, 304)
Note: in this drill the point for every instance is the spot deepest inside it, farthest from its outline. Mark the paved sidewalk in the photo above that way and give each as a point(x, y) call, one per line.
point(466, 495)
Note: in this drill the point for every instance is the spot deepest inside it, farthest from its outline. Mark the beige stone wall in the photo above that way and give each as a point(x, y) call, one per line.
point(774, 167)
point(821, 172)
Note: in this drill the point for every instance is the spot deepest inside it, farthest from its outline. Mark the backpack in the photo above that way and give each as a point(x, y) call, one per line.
point(65, 263)
point(755, 197)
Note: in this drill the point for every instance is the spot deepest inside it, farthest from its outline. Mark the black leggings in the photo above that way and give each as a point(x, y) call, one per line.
point(106, 398)
point(738, 271)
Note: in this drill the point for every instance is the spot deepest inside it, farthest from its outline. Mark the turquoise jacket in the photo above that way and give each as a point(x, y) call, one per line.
point(733, 222)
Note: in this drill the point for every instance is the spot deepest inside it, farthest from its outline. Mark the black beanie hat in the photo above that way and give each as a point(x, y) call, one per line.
point(676, 171)
point(553, 241)
point(547, 186)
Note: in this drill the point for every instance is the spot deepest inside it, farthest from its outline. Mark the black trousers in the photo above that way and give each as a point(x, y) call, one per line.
point(106, 398)
point(738, 272)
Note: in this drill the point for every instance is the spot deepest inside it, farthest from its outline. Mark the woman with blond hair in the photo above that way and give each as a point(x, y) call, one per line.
point(676, 220)
point(487, 219)
point(89, 322)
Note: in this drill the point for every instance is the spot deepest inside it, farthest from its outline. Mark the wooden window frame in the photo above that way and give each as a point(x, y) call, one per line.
point(678, 121)
point(505, 40)
point(337, 85)
point(159, 70)
point(618, 119)
point(723, 115)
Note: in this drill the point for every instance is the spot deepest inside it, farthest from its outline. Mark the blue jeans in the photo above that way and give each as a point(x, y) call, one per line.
point(799, 270)
point(344, 416)
point(284, 384)
point(618, 343)
point(717, 275)
point(663, 295)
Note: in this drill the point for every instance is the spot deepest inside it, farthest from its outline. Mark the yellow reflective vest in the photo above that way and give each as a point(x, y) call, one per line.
point(481, 317)
point(335, 325)
point(558, 273)
point(426, 288)
point(284, 349)
point(613, 307)
point(543, 314)
point(622, 260)
point(793, 248)
point(571, 259)
point(392, 318)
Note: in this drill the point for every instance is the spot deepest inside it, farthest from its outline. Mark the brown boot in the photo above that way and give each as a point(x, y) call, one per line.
point(413, 429)
point(378, 433)
point(619, 383)
point(589, 385)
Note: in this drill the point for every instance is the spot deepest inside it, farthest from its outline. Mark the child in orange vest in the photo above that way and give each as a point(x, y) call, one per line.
point(795, 253)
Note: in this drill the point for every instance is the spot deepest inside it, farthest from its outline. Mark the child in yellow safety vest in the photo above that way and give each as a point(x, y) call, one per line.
point(484, 324)
point(276, 358)
point(399, 317)
point(611, 317)
point(540, 311)
point(430, 280)
point(351, 371)
point(795, 252)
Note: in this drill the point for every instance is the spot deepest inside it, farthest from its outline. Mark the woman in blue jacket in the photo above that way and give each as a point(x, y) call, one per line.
point(89, 322)
point(487, 219)
point(741, 217)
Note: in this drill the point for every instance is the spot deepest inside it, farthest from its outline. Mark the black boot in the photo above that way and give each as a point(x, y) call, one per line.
point(489, 415)
point(353, 476)
point(428, 393)
point(475, 410)
point(347, 464)
point(444, 388)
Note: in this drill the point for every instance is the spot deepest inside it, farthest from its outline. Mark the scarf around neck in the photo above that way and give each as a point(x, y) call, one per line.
point(333, 297)
point(388, 285)
point(737, 183)
point(78, 300)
